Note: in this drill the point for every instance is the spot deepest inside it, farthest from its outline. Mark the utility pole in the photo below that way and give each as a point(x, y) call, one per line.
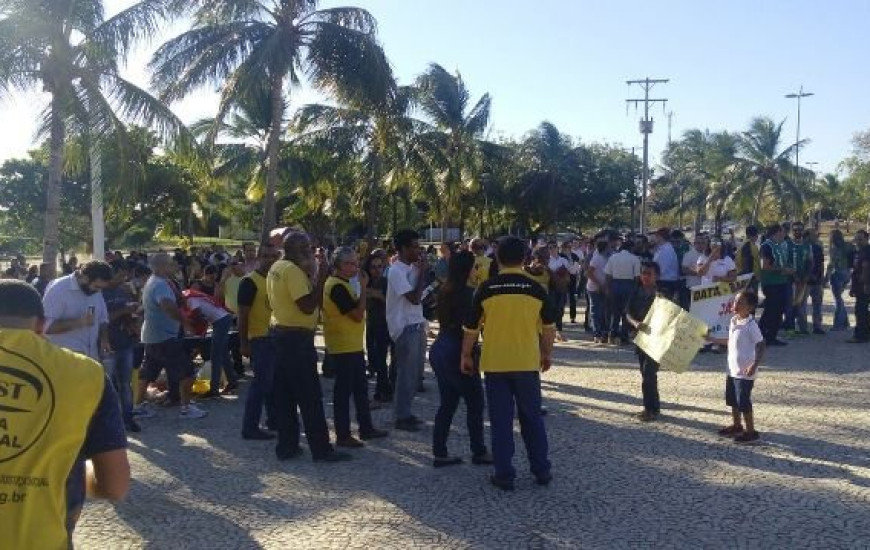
point(670, 125)
point(800, 94)
point(646, 128)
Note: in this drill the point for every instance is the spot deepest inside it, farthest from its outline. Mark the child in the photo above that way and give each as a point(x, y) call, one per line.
point(639, 302)
point(745, 351)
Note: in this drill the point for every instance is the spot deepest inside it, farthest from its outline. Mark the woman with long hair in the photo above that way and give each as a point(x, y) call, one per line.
point(377, 334)
point(454, 302)
point(839, 273)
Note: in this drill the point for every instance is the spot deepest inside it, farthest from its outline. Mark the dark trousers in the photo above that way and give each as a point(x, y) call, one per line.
point(521, 390)
point(220, 353)
point(862, 316)
point(558, 299)
point(790, 311)
point(377, 345)
point(775, 302)
point(444, 356)
point(649, 387)
point(260, 390)
point(297, 386)
point(620, 290)
point(350, 381)
point(572, 299)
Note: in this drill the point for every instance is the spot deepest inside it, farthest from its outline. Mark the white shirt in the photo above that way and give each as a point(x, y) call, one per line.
point(597, 279)
point(718, 268)
point(64, 299)
point(690, 262)
point(558, 262)
point(402, 279)
point(210, 311)
point(623, 266)
point(668, 262)
point(742, 338)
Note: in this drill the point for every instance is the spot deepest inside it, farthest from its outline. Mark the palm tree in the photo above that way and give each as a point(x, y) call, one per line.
point(445, 99)
point(769, 165)
point(70, 50)
point(237, 44)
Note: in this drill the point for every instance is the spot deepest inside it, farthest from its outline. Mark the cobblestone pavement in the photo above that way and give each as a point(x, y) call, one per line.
point(618, 483)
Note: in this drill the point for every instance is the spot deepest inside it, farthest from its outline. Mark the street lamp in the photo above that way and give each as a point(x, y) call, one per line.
point(818, 207)
point(800, 94)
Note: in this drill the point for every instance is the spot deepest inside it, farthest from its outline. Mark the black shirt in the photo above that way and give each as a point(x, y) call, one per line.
point(342, 299)
point(450, 318)
point(640, 301)
point(376, 309)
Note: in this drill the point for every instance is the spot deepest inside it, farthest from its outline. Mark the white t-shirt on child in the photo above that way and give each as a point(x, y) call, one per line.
point(742, 338)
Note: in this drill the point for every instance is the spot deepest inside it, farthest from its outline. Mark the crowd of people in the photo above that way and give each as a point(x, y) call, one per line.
point(188, 320)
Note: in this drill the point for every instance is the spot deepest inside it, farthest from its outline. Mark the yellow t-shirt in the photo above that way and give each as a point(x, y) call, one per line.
point(231, 293)
point(47, 398)
point(285, 284)
point(261, 313)
point(341, 333)
point(480, 272)
point(512, 307)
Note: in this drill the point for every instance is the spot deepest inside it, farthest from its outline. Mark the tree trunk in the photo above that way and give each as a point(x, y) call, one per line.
point(757, 208)
point(52, 194)
point(272, 149)
point(98, 220)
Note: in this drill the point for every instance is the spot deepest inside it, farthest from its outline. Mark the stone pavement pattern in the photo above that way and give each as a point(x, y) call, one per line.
point(618, 483)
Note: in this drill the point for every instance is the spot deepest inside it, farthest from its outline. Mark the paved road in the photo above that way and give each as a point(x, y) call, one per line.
point(618, 483)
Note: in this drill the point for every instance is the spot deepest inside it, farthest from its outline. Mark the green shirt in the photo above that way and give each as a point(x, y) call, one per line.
point(802, 256)
point(777, 255)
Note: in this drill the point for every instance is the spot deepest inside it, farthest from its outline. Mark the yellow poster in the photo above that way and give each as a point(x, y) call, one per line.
point(671, 336)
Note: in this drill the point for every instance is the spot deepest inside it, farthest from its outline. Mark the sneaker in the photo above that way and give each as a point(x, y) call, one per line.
point(334, 456)
point(789, 334)
point(647, 416)
point(731, 431)
point(374, 434)
point(747, 437)
point(544, 479)
point(143, 410)
point(503, 484)
point(211, 394)
point(230, 389)
point(407, 425)
point(613, 341)
point(349, 442)
point(191, 412)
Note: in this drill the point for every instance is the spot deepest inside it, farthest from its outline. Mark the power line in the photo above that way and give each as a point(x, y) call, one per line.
point(646, 128)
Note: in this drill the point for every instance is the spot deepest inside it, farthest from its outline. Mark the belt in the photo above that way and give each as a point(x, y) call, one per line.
point(285, 329)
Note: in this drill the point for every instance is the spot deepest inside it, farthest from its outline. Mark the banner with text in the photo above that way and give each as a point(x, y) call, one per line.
point(671, 336)
point(714, 304)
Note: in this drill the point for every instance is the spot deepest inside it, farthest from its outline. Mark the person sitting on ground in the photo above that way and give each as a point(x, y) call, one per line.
point(72, 417)
point(445, 356)
point(639, 303)
point(745, 352)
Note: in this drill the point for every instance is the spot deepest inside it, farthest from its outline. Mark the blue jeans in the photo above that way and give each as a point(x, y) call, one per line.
point(597, 305)
point(813, 293)
point(410, 354)
point(121, 379)
point(453, 385)
point(620, 290)
point(521, 390)
point(220, 352)
point(350, 381)
point(838, 286)
point(260, 390)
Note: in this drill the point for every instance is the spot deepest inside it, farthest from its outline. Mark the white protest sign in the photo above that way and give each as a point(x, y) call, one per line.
point(671, 337)
point(714, 304)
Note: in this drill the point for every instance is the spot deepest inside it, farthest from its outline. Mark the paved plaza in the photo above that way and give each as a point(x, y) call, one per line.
point(618, 483)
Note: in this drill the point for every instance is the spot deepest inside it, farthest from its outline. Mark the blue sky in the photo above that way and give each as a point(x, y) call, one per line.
point(567, 61)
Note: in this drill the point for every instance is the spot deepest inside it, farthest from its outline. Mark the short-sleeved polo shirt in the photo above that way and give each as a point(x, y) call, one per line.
point(285, 284)
point(512, 307)
point(623, 266)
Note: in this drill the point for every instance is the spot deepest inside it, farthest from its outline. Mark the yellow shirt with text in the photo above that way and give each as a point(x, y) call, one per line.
point(285, 284)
